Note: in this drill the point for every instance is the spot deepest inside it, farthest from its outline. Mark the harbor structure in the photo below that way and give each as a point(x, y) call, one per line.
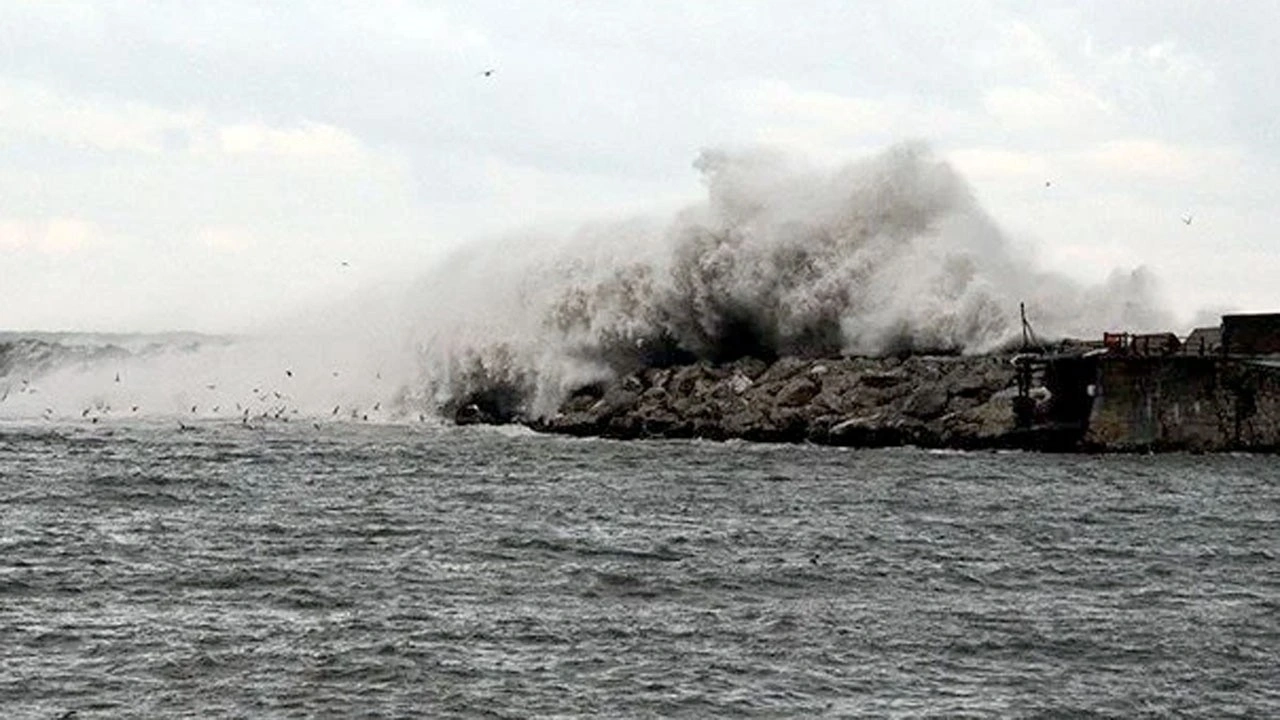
point(1219, 388)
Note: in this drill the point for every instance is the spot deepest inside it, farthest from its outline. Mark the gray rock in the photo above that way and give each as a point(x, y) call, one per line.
point(883, 379)
point(847, 401)
point(798, 391)
point(927, 402)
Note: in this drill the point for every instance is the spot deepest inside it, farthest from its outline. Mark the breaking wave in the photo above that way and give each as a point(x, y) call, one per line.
point(885, 255)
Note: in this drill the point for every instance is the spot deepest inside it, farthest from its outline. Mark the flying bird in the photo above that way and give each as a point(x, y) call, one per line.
point(487, 73)
point(1186, 219)
point(289, 373)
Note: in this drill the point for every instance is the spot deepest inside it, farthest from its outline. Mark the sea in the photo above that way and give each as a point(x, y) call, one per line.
point(210, 569)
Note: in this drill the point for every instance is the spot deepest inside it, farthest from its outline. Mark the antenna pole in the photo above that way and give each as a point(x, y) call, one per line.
point(1026, 339)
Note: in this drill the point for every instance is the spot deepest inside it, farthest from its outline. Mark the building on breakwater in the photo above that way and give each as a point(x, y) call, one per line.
point(1218, 389)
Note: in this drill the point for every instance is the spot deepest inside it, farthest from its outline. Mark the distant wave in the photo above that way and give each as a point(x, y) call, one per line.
point(191, 377)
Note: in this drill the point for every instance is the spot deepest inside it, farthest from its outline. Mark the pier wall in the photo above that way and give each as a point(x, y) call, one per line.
point(1184, 403)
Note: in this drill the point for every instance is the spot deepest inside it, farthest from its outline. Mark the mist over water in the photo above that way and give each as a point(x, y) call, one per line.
point(349, 360)
point(882, 255)
point(250, 378)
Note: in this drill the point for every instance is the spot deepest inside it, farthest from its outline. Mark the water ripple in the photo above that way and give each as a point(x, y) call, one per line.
point(401, 572)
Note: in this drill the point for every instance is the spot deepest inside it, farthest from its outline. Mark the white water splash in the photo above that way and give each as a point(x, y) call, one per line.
point(887, 254)
point(883, 255)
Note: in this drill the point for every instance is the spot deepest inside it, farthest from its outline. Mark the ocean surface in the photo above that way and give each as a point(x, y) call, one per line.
point(353, 570)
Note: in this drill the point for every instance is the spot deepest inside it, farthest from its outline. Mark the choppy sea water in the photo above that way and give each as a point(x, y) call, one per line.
point(395, 571)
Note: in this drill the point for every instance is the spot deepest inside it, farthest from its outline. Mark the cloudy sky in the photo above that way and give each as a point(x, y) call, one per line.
point(208, 166)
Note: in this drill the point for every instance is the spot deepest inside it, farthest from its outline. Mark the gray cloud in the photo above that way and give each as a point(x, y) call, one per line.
point(1139, 112)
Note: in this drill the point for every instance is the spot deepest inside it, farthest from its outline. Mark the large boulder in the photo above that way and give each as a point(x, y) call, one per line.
point(797, 391)
point(989, 424)
point(878, 430)
point(927, 402)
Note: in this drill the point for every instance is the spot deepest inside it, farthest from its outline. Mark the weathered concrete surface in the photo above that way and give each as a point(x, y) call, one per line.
point(960, 402)
point(1185, 403)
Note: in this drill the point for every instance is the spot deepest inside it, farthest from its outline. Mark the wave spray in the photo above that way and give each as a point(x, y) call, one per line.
point(888, 254)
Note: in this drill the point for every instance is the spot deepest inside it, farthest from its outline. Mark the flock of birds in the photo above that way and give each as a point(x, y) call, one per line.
point(263, 405)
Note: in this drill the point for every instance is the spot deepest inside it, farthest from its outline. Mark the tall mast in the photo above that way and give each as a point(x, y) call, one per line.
point(1026, 329)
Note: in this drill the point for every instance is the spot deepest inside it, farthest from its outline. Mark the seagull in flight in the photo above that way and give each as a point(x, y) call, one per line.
point(1186, 219)
point(488, 72)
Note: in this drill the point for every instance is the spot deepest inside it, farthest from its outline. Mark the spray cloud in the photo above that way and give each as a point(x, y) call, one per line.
point(878, 256)
point(887, 254)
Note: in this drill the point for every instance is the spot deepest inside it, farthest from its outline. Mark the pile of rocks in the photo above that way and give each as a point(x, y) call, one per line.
point(952, 401)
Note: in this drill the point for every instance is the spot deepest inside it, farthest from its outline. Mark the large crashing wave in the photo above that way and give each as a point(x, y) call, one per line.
point(884, 255)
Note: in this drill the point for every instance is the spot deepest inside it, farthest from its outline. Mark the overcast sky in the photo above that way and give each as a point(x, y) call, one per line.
point(206, 166)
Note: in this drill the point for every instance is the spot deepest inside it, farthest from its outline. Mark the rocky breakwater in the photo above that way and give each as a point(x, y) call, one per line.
point(950, 401)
